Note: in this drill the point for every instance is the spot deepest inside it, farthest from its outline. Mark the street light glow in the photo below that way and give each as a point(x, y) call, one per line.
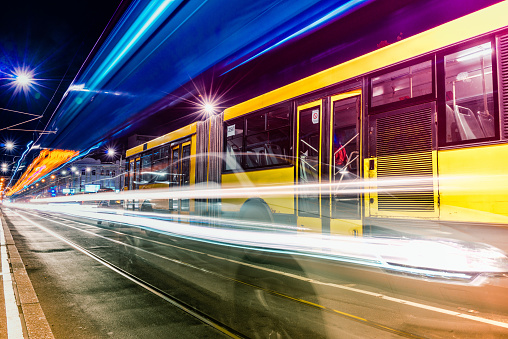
point(209, 109)
point(111, 152)
point(23, 79)
point(9, 145)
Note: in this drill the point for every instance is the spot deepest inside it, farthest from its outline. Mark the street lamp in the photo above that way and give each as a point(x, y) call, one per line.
point(23, 79)
point(9, 145)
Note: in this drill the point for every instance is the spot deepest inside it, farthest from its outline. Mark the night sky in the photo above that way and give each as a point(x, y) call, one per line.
point(52, 38)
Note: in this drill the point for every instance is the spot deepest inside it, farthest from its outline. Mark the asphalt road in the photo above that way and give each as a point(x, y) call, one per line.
point(92, 280)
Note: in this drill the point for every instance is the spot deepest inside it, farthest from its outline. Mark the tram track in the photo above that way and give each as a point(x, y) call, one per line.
point(272, 292)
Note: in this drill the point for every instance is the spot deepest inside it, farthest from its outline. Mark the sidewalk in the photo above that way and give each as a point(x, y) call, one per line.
point(21, 315)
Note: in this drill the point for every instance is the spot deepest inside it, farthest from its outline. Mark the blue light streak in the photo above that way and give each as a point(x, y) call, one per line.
point(146, 20)
point(347, 7)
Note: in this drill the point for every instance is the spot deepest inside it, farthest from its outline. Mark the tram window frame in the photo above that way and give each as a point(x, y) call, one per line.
point(409, 101)
point(246, 134)
point(441, 90)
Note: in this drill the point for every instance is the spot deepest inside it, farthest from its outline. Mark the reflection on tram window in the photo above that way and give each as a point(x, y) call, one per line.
point(469, 94)
point(266, 141)
point(406, 83)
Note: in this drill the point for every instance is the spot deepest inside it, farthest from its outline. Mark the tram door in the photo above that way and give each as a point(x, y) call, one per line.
point(328, 151)
point(345, 201)
point(179, 175)
point(309, 117)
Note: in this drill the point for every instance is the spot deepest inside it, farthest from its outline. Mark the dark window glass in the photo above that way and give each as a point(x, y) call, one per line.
point(278, 119)
point(83, 172)
point(267, 149)
point(113, 173)
point(469, 94)
point(256, 123)
point(405, 83)
point(93, 172)
point(156, 155)
point(107, 172)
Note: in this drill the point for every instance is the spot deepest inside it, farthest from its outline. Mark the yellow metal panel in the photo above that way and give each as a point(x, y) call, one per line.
point(179, 133)
point(473, 184)
point(134, 150)
point(480, 22)
point(262, 178)
point(346, 227)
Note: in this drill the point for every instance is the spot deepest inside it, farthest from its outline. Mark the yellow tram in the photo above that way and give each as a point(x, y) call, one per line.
point(414, 133)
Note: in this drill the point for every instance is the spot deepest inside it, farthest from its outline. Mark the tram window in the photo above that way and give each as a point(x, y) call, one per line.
point(278, 119)
point(267, 140)
point(256, 123)
point(402, 84)
point(267, 149)
point(469, 94)
point(233, 153)
point(234, 127)
point(156, 155)
point(146, 162)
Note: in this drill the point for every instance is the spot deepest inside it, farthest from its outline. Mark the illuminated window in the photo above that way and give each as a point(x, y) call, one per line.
point(469, 94)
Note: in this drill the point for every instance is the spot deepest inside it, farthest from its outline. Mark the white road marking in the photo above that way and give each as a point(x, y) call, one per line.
point(14, 329)
point(343, 287)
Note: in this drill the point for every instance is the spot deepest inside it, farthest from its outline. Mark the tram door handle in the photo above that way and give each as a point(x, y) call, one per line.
point(371, 164)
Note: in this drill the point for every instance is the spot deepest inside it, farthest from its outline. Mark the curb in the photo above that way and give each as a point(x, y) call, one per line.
point(31, 313)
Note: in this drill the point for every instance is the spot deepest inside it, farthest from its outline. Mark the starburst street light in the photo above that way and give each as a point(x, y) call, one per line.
point(9, 145)
point(23, 79)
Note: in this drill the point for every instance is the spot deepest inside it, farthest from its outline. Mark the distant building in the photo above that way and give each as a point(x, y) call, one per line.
point(89, 175)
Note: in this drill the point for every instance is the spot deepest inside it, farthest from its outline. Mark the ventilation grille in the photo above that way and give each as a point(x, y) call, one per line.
point(503, 80)
point(405, 161)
